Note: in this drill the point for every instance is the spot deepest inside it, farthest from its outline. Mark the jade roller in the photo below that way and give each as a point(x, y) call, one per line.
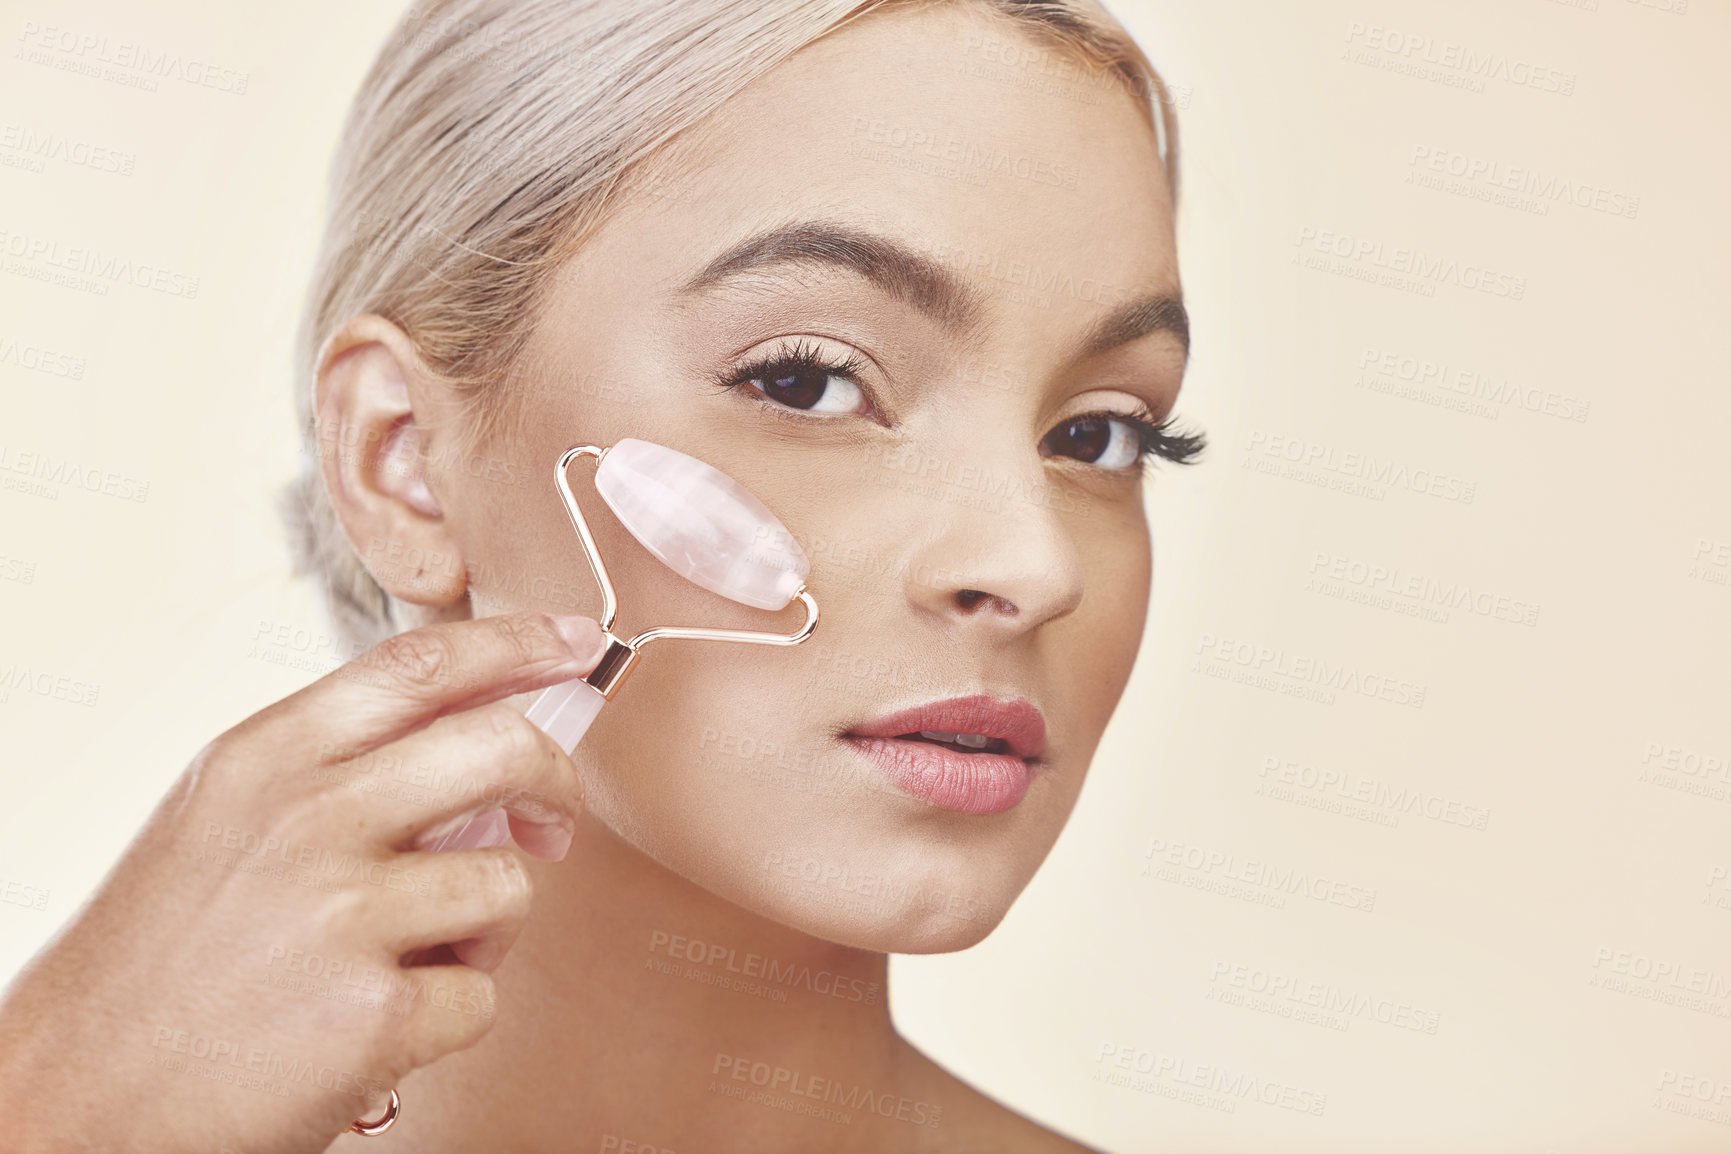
point(706, 527)
point(699, 522)
point(702, 524)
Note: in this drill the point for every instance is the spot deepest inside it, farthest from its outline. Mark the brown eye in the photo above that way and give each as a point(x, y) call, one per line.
point(802, 376)
point(1108, 442)
point(815, 390)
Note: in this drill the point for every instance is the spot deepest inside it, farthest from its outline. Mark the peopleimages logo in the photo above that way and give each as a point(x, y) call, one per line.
point(1183, 863)
point(1668, 976)
point(1142, 1069)
point(1298, 674)
point(1286, 780)
point(41, 359)
point(38, 147)
point(796, 1090)
point(1396, 266)
point(1491, 177)
point(257, 1060)
point(98, 56)
point(790, 975)
point(1326, 997)
point(43, 683)
point(1417, 595)
point(1347, 470)
point(969, 160)
point(36, 256)
point(16, 893)
point(1392, 371)
point(1458, 65)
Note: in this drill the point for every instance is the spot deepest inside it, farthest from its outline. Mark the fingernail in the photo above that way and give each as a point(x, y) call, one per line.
point(545, 839)
point(482, 953)
point(582, 635)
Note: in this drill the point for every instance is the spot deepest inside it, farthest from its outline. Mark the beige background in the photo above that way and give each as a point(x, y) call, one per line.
point(1529, 945)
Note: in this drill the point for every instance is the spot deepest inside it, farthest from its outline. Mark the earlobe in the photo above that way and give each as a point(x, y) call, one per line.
point(374, 455)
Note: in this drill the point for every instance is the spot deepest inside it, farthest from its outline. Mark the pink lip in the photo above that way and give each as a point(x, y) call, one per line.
point(972, 783)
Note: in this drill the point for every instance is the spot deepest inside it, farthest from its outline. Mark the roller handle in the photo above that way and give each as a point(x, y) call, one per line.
point(564, 712)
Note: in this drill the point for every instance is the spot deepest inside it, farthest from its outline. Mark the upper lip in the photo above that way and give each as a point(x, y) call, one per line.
point(1016, 722)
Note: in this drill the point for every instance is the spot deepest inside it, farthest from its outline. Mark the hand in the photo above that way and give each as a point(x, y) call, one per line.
point(279, 945)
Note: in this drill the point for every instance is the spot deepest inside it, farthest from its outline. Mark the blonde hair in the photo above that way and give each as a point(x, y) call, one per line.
point(491, 137)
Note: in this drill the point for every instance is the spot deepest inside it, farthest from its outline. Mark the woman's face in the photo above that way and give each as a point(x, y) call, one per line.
point(916, 265)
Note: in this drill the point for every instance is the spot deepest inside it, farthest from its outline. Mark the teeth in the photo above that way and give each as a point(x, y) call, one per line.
point(970, 740)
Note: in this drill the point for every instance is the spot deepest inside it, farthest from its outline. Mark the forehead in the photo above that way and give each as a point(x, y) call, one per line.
point(906, 123)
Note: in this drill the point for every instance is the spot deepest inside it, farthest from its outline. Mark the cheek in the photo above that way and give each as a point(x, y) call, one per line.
point(1130, 584)
point(1108, 633)
point(514, 538)
point(707, 744)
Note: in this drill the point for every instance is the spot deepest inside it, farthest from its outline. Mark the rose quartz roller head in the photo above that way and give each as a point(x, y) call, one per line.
point(703, 525)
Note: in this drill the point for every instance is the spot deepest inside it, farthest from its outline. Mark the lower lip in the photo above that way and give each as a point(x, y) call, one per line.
point(975, 783)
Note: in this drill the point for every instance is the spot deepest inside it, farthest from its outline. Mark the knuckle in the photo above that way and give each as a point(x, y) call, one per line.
point(507, 880)
point(242, 751)
point(515, 740)
point(457, 1012)
point(524, 757)
point(423, 1046)
point(530, 636)
point(430, 1038)
point(339, 915)
point(418, 657)
point(221, 757)
point(224, 804)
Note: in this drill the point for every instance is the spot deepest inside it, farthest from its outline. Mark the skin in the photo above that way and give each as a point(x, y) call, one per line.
point(601, 1034)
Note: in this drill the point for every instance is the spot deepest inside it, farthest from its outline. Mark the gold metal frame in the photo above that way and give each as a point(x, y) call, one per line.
point(621, 655)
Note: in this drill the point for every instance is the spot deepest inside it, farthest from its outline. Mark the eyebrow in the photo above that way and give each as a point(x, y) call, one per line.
point(1156, 313)
point(921, 282)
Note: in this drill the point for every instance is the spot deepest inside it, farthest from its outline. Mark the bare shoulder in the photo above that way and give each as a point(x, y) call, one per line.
point(972, 1121)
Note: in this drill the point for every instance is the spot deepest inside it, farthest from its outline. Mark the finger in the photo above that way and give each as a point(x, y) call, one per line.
point(491, 827)
point(453, 1008)
point(422, 790)
point(463, 895)
point(408, 680)
point(486, 952)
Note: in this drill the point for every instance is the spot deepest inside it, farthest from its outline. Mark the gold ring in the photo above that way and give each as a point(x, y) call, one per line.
point(374, 1129)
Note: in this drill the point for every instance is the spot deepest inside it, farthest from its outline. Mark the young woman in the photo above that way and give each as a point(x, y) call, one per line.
point(906, 270)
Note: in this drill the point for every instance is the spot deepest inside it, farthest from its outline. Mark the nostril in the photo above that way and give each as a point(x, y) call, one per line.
point(968, 598)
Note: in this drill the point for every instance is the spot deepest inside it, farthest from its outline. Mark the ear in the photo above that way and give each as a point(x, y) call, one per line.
point(370, 387)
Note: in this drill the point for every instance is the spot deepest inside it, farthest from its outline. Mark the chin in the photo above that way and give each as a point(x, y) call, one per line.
point(920, 891)
point(909, 930)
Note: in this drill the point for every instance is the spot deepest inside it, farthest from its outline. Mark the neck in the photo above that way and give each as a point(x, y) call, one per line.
point(639, 1006)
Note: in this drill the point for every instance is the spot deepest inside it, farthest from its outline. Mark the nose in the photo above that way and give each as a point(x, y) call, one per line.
point(1004, 565)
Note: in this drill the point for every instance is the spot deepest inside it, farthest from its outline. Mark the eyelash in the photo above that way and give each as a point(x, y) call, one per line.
point(1163, 439)
point(799, 357)
point(1160, 439)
